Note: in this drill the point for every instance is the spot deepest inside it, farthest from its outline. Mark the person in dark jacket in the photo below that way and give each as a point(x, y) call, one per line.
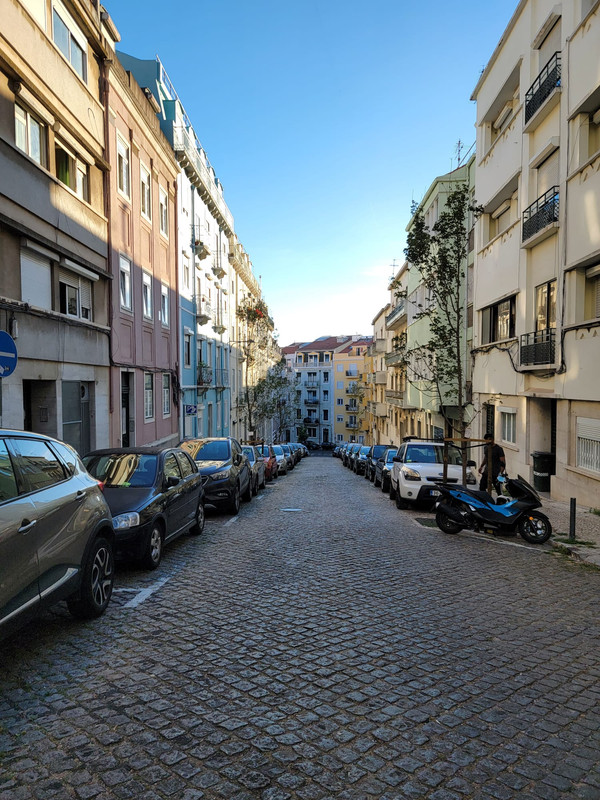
point(498, 464)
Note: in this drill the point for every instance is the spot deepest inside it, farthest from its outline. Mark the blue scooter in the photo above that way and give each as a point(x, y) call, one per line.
point(463, 508)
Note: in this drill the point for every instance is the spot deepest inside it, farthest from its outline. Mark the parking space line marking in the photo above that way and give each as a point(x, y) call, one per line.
point(231, 521)
point(144, 594)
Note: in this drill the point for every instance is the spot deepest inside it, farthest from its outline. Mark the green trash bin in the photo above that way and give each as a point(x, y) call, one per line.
point(543, 468)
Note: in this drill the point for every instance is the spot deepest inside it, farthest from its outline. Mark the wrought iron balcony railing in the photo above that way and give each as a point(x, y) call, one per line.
point(538, 347)
point(541, 213)
point(205, 377)
point(311, 401)
point(543, 86)
point(221, 378)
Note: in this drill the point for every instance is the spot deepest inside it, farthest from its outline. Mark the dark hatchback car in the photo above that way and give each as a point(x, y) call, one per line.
point(270, 460)
point(375, 453)
point(225, 471)
point(383, 469)
point(257, 467)
point(155, 495)
point(56, 533)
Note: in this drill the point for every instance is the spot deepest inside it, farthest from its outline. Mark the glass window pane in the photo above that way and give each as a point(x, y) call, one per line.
point(36, 146)
point(61, 35)
point(20, 129)
point(77, 58)
point(8, 484)
point(38, 464)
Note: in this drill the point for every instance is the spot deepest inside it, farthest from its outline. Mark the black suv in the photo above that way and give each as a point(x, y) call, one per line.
point(375, 453)
point(226, 473)
point(56, 532)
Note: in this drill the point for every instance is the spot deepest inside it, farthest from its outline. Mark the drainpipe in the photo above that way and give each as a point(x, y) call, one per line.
point(105, 65)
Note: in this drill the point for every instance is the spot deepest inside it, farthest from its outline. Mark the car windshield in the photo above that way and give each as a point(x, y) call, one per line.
point(378, 450)
point(264, 450)
point(277, 450)
point(390, 456)
point(207, 450)
point(123, 470)
point(431, 454)
point(249, 451)
point(364, 450)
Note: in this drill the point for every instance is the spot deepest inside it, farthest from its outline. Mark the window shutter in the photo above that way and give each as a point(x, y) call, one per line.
point(548, 174)
point(35, 280)
point(550, 45)
point(588, 428)
point(597, 304)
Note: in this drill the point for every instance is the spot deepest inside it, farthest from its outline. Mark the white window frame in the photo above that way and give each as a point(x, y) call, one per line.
point(147, 295)
point(187, 349)
point(148, 396)
point(27, 121)
point(79, 172)
point(588, 444)
point(125, 297)
point(164, 305)
point(83, 289)
point(508, 425)
point(76, 39)
point(339, 418)
point(123, 167)
point(166, 394)
point(145, 193)
point(163, 211)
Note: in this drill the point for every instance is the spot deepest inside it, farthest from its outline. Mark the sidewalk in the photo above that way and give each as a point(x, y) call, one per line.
point(586, 546)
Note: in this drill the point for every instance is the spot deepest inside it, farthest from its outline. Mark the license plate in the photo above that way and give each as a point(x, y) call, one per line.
point(434, 493)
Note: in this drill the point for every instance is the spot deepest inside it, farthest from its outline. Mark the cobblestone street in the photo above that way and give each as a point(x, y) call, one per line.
point(322, 644)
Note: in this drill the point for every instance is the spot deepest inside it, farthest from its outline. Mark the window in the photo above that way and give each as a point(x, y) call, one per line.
point(70, 40)
point(71, 171)
point(339, 418)
point(31, 136)
point(8, 483)
point(592, 292)
point(187, 350)
point(148, 395)
point(545, 304)
point(125, 282)
point(75, 295)
point(38, 464)
point(147, 295)
point(146, 193)
point(325, 415)
point(340, 367)
point(163, 210)
point(339, 385)
point(326, 377)
point(508, 427)
point(498, 321)
point(588, 443)
point(164, 305)
point(340, 401)
point(123, 168)
point(325, 395)
point(36, 285)
point(166, 394)
point(499, 219)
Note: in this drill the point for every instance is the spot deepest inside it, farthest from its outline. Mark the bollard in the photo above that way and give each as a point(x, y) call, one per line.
point(572, 520)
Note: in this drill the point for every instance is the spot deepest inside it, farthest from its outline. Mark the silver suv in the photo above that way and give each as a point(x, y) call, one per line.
point(56, 534)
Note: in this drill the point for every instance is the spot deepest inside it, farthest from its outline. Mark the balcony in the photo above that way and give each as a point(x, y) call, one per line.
point(221, 378)
point(544, 85)
point(394, 397)
point(311, 420)
point(218, 328)
point(394, 358)
point(351, 373)
point(312, 384)
point(205, 377)
point(538, 348)
point(352, 426)
point(381, 378)
point(396, 314)
point(219, 271)
point(351, 408)
point(199, 243)
point(541, 218)
point(203, 309)
point(311, 401)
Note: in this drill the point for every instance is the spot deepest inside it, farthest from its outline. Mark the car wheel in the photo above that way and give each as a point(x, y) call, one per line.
point(376, 482)
point(392, 492)
point(264, 481)
point(198, 525)
point(401, 502)
point(97, 579)
point(255, 487)
point(247, 496)
point(154, 547)
point(385, 486)
point(234, 504)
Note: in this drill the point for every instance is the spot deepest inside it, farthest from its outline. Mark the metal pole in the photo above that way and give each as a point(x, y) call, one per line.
point(572, 519)
point(489, 448)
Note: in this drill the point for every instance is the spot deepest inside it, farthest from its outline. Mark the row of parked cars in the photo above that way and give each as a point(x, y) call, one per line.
point(408, 473)
point(64, 520)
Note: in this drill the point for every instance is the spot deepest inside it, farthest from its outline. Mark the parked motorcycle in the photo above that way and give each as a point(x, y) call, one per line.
point(461, 507)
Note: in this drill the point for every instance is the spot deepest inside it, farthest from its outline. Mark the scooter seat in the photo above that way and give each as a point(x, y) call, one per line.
point(484, 497)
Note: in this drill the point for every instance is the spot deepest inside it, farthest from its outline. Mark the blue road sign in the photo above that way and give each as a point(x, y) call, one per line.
point(190, 410)
point(8, 355)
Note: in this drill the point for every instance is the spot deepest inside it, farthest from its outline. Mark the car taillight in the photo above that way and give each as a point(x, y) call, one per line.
point(100, 485)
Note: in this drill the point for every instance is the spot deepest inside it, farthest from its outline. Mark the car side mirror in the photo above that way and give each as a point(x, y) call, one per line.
point(471, 463)
point(172, 481)
point(397, 460)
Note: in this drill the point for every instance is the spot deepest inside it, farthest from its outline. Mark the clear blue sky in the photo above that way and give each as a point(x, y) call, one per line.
point(323, 119)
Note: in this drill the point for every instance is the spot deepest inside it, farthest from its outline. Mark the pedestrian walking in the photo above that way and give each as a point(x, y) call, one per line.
point(498, 464)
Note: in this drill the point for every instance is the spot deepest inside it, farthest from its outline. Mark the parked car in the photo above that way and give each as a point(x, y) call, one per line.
point(418, 466)
point(359, 464)
point(225, 471)
point(155, 495)
point(297, 451)
point(383, 468)
point(291, 458)
point(376, 451)
point(351, 455)
point(56, 533)
point(257, 467)
point(270, 461)
point(282, 462)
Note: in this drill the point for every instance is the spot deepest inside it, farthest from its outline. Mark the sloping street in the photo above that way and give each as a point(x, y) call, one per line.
point(322, 644)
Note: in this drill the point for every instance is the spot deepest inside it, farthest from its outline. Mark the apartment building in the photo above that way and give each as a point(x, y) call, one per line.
point(143, 263)
point(537, 275)
point(55, 277)
point(351, 396)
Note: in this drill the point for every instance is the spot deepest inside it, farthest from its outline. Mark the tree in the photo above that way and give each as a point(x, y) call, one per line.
point(270, 398)
point(440, 255)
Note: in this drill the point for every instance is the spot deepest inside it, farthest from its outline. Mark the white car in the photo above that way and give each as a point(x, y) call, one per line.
point(419, 465)
point(282, 461)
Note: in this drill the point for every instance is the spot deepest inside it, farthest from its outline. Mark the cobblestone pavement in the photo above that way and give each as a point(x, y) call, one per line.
point(322, 644)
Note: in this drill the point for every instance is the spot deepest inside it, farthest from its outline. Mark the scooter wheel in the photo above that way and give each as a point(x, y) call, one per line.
point(535, 528)
point(446, 524)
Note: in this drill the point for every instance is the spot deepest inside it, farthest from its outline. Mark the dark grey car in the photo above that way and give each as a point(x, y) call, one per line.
point(56, 534)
